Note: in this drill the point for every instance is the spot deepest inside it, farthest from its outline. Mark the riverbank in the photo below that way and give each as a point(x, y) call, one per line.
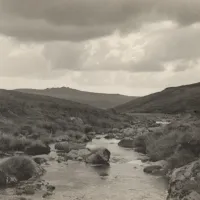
point(175, 149)
point(169, 149)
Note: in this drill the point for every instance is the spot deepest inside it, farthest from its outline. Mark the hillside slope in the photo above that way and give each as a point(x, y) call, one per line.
point(180, 99)
point(18, 110)
point(98, 100)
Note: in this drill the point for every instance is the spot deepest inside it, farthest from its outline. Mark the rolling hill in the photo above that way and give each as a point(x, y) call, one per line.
point(99, 100)
point(180, 99)
point(18, 110)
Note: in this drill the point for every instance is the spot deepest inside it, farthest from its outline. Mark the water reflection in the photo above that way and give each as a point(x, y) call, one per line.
point(101, 170)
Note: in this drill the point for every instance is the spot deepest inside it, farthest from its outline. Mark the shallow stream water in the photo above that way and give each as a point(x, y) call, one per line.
point(124, 179)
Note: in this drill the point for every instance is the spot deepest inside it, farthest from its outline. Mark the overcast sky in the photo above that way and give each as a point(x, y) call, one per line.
point(132, 47)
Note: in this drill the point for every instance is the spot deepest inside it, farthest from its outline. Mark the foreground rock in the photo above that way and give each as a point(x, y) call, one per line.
point(41, 159)
point(80, 154)
point(18, 168)
point(126, 143)
point(37, 148)
point(158, 168)
point(185, 183)
point(129, 132)
point(99, 156)
point(32, 187)
point(109, 136)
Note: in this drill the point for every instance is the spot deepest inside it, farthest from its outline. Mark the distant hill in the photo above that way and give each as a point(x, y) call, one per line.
point(180, 99)
point(21, 110)
point(98, 100)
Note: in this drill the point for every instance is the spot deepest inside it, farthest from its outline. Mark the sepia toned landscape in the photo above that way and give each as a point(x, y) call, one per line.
point(99, 100)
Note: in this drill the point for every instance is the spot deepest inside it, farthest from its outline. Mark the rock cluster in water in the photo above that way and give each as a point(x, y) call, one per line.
point(79, 152)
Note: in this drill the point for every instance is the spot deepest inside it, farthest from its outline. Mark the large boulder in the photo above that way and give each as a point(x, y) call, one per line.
point(18, 168)
point(77, 154)
point(127, 143)
point(157, 167)
point(184, 182)
point(98, 156)
point(193, 195)
point(129, 132)
point(37, 148)
point(72, 155)
point(109, 136)
point(152, 169)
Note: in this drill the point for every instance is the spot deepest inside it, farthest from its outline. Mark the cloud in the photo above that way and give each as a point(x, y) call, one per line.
point(155, 48)
point(78, 20)
point(177, 46)
point(18, 60)
point(129, 46)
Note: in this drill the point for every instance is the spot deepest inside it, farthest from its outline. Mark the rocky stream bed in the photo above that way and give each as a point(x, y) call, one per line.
point(75, 180)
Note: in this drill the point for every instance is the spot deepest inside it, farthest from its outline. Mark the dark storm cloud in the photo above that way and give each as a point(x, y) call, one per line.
point(76, 20)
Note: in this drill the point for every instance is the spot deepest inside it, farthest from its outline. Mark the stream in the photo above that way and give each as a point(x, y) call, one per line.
point(124, 179)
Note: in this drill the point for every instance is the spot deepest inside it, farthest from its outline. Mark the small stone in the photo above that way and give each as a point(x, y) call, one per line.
point(46, 194)
point(126, 143)
point(152, 169)
point(29, 190)
point(103, 174)
point(51, 188)
point(19, 191)
point(38, 185)
point(80, 159)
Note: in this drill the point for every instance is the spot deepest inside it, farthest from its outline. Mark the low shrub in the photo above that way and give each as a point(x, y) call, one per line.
point(140, 144)
point(11, 143)
point(46, 139)
point(88, 128)
point(37, 148)
point(180, 158)
point(30, 146)
point(178, 143)
point(162, 147)
point(19, 144)
point(20, 167)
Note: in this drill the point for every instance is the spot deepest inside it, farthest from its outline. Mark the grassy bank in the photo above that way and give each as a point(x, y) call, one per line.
point(34, 117)
point(178, 142)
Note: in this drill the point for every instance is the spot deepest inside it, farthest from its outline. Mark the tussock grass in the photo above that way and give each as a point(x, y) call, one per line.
point(20, 167)
point(178, 143)
point(11, 143)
